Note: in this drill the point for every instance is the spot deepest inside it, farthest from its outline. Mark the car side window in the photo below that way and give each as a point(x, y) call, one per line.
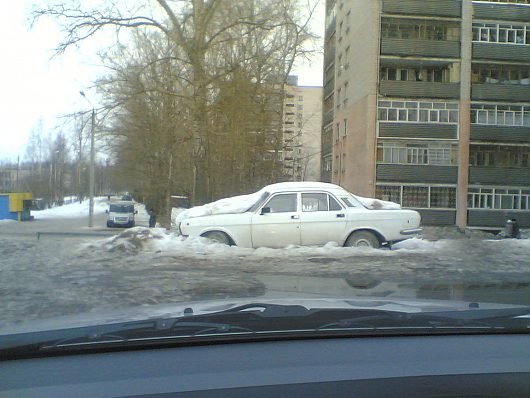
point(333, 204)
point(315, 202)
point(283, 203)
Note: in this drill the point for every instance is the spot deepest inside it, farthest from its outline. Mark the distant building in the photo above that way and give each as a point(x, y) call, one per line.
point(301, 131)
point(427, 103)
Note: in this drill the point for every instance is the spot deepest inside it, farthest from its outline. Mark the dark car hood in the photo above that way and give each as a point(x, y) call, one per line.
point(103, 317)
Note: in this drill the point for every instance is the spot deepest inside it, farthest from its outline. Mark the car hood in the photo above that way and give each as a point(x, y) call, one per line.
point(103, 317)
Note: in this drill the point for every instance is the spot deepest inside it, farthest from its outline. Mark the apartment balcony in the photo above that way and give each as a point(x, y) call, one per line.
point(441, 8)
point(422, 48)
point(496, 11)
point(415, 89)
point(503, 52)
point(439, 131)
point(497, 218)
point(328, 118)
point(417, 173)
point(516, 176)
point(500, 92)
point(492, 133)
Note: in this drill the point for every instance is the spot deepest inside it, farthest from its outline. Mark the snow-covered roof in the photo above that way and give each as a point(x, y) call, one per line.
point(285, 186)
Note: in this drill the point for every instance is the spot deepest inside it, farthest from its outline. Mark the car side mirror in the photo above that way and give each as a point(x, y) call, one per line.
point(265, 210)
point(106, 211)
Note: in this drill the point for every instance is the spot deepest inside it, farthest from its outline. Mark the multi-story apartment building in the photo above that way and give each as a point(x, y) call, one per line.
point(301, 133)
point(427, 103)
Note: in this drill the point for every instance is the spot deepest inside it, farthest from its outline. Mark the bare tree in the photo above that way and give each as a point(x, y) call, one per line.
point(170, 92)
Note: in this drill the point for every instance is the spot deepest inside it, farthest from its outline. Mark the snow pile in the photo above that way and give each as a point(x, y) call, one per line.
point(158, 240)
point(6, 221)
point(73, 210)
point(377, 204)
point(132, 239)
point(235, 204)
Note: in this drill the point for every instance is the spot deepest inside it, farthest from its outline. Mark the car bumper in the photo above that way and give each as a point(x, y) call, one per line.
point(411, 231)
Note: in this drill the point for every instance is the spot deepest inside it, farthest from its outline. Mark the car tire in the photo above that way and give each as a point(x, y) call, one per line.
point(219, 237)
point(109, 224)
point(132, 224)
point(363, 239)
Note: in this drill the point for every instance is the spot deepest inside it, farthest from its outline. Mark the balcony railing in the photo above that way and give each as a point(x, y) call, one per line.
point(513, 176)
point(492, 133)
point(414, 89)
point(505, 52)
point(496, 11)
point(501, 92)
point(417, 173)
point(442, 8)
point(425, 48)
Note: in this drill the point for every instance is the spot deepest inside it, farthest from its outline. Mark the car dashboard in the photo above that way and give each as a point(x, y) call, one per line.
point(420, 366)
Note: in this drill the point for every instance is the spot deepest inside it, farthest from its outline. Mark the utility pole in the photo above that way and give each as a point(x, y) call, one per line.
point(92, 161)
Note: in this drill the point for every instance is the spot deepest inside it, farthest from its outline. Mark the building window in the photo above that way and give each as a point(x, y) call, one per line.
point(327, 163)
point(501, 33)
point(417, 197)
point(414, 112)
point(436, 197)
point(426, 154)
point(499, 198)
point(501, 115)
point(389, 193)
point(443, 197)
point(416, 29)
point(439, 75)
point(501, 74)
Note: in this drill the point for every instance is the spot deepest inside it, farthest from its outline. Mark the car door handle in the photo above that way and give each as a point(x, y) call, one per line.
point(295, 217)
point(341, 215)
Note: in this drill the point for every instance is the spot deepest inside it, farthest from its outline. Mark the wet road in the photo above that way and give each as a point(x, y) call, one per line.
point(57, 276)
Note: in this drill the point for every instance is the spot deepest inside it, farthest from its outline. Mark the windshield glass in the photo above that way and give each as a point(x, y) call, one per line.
point(121, 208)
point(204, 155)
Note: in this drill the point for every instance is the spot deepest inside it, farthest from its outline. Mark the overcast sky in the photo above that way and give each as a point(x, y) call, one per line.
point(35, 86)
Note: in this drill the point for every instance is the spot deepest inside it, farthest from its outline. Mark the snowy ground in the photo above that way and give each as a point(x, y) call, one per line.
point(71, 210)
point(60, 276)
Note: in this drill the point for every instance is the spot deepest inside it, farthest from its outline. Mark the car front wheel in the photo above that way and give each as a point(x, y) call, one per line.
point(218, 236)
point(363, 239)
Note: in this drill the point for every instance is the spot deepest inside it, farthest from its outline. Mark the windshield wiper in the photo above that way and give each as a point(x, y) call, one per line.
point(259, 320)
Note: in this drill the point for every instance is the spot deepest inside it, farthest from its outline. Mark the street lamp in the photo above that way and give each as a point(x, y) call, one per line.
point(92, 161)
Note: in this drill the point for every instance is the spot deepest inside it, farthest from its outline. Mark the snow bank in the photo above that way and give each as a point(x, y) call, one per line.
point(7, 221)
point(139, 239)
point(377, 204)
point(73, 210)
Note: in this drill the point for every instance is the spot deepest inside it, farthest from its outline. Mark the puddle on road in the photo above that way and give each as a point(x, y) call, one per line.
point(509, 292)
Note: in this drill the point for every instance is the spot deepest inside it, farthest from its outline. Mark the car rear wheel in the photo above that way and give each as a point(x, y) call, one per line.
point(219, 237)
point(363, 239)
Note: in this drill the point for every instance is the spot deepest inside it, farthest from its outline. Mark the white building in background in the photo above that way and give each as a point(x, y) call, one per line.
point(302, 132)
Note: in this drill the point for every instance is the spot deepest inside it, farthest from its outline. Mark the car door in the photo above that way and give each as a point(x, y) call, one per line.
point(277, 222)
point(322, 219)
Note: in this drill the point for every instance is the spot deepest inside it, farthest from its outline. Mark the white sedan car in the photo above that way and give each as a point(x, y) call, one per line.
point(302, 213)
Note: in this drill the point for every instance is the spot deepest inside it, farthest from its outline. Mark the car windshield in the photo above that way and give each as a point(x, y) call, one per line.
point(121, 208)
point(179, 158)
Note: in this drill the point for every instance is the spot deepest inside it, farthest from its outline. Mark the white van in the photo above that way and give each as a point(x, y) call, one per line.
point(121, 214)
